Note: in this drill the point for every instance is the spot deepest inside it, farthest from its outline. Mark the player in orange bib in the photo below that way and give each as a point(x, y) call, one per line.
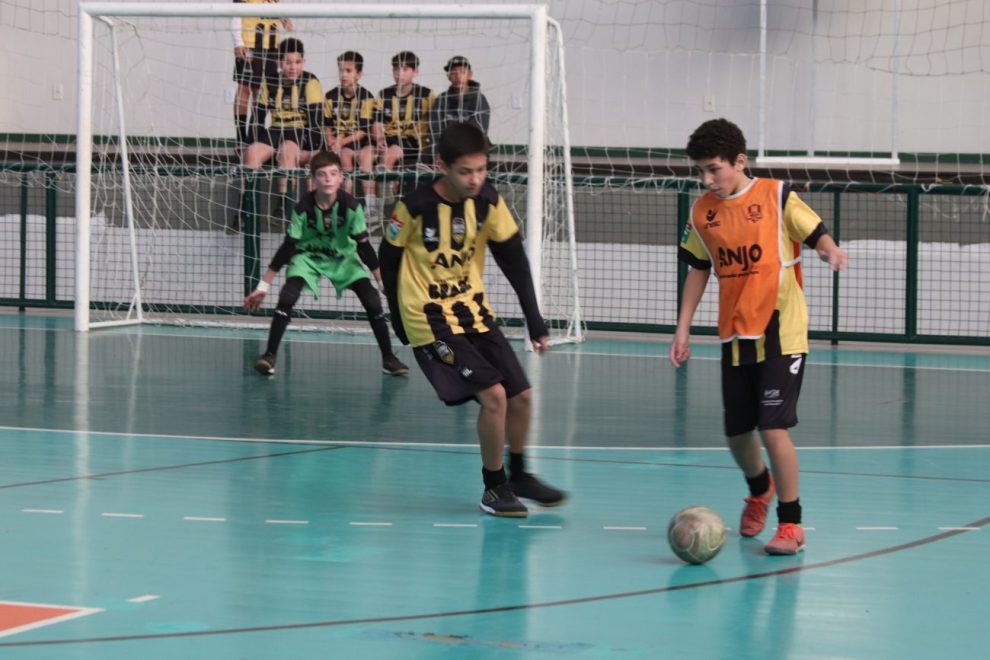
point(750, 231)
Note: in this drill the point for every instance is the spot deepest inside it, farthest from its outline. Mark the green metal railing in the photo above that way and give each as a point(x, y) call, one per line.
point(906, 223)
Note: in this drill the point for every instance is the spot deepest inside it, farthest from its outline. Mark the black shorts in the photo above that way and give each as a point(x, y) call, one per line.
point(411, 151)
point(274, 137)
point(762, 395)
point(262, 66)
point(462, 365)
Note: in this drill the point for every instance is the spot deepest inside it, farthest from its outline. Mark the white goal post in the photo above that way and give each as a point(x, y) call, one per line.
point(537, 201)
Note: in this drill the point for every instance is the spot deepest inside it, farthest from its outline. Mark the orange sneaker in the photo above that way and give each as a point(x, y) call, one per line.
point(789, 540)
point(754, 515)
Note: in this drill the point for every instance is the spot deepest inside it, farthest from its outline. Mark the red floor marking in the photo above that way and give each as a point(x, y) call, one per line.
point(19, 617)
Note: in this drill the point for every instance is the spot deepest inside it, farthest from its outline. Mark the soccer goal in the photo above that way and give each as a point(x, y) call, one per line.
point(160, 183)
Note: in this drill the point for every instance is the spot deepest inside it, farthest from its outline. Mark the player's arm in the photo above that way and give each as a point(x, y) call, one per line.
point(329, 139)
point(691, 251)
point(804, 224)
point(284, 254)
point(400, 227)
point(366, 253)
point(694, 288)
point(510, 255)
point(436, 124)
point(378, 125)
point(240, 50)
point(389, 260)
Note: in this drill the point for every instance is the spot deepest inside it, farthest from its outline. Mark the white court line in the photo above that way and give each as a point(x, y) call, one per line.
point(455, 524)
point(370, 524)
point(143, 599)
point(959, 529)
point(453, 445)
point(286, 522)
point(540, 527)
point(203, 519)
point(878, 528)
point(52, 511)
point(609, 528)
point(122, 515)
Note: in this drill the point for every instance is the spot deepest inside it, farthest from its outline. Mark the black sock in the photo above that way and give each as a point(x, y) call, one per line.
point(759, 484)
point(789, 512)
point(279, 323)
point(380, 327)
point(517, 464)
point(493, 477)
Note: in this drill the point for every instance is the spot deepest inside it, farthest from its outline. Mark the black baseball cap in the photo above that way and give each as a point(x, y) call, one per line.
point(455, 61)
point(406, 57)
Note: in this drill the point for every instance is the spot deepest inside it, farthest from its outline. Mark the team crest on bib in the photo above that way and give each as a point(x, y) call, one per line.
point(458, 230)
point(444, 352)
point(394, 227)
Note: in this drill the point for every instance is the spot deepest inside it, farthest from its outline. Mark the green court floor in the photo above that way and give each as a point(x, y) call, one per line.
point(190, 508)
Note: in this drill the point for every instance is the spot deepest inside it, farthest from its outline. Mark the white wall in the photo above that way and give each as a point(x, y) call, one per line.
point(638, 71)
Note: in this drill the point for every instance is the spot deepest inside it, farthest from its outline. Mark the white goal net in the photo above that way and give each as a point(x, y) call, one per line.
point(173, 228)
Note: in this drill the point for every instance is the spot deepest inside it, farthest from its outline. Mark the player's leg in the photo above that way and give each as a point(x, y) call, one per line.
point(392, 158)
point(252, 158)
point(459, 373)
point(495, 348)
point(780, 387)
point(287, 298)
point(347, 161)
point(372, 302)
point(242, 104)
point(366, 162)
point(739, 400)
point(289, 158)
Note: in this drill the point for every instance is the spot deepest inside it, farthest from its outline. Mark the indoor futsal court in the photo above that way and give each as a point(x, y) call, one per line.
point(161, 500)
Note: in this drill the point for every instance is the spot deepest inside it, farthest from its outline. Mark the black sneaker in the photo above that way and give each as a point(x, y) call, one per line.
point(393, 366)
point(265, 365)
point(500, 501)
point(526, 485)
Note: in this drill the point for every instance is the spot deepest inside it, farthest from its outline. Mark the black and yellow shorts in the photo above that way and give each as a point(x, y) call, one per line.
point(460, 366)
point(262, 66)
point(762, 395)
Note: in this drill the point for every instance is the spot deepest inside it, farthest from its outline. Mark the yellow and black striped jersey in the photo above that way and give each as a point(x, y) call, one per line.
point(440, 287)
point(259, 33)
point(290, 102)
point(408, 116)
point(346, 116)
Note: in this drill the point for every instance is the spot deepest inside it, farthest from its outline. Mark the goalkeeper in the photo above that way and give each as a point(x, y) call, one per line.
point(326, 237)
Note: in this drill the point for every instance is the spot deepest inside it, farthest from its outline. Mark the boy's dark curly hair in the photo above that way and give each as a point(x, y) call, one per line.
point(716, 138)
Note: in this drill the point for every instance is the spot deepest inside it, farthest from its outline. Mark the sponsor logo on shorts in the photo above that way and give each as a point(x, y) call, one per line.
point(796, 365)
point(771, 398)
point(444, 352)
point(466, 372)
